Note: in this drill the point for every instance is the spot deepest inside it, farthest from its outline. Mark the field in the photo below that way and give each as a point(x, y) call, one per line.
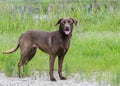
point(95, 43)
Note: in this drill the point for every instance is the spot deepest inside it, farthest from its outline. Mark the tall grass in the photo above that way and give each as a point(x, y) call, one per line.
point(95, 43)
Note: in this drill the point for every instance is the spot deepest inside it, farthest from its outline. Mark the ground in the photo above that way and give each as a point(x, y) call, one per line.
point(43, 80)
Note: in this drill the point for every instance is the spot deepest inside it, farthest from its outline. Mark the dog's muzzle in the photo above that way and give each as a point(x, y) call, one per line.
point(67, 32)
point(67, 29)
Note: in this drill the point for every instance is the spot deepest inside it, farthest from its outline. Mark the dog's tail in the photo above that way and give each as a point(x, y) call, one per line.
point(11, 50)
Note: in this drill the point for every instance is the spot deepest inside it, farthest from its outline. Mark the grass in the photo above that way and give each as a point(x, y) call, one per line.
point(95, 43)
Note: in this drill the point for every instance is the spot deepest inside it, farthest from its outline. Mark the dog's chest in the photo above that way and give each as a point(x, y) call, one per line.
point(62, 45)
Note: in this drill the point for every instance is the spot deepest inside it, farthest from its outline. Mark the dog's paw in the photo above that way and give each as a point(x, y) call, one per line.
point(63, 78)
point(52, 79)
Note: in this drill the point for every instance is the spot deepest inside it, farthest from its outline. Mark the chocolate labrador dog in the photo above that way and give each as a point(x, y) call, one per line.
point(54, 43)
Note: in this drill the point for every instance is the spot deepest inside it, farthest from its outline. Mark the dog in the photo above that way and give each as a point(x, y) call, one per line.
point(54, 43)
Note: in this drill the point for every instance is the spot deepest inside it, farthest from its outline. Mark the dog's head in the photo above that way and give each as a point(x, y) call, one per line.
point(66, 25)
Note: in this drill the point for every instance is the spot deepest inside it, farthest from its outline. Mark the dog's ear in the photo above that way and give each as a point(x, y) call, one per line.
point(74, 21)
point(58, 22)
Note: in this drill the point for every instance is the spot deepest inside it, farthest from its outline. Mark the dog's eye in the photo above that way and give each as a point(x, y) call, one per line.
point(63, 22)
point(69, 22)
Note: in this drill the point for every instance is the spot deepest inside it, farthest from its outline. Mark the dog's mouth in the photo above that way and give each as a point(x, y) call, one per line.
point(67, 32)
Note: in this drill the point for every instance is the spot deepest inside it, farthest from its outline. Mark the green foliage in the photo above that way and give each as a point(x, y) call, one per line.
point(9, 66)
point(25, 71)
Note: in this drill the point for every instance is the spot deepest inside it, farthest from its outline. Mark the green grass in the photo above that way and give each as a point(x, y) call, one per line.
point(94, 48)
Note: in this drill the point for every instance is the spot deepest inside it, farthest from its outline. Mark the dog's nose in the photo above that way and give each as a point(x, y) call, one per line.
point(67, 28)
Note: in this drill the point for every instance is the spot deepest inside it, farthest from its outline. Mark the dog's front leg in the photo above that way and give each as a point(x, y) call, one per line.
point(51, 64)
point(60, 62)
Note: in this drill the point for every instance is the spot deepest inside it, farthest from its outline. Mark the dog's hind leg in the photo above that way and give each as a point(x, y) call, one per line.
point(19, 66)
point(26, 57)
point(31, 54)
point(21, 63)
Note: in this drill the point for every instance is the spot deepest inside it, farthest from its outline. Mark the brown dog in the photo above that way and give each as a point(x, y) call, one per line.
point(54, 43)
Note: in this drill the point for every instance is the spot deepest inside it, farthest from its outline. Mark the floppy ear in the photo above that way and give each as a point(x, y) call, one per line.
point(58, 22)
point(74, 21)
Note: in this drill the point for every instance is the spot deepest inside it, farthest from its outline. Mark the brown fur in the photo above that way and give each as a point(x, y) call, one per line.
point(54, 43)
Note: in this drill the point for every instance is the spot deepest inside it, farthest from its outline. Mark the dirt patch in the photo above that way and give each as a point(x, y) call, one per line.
point(43, 80)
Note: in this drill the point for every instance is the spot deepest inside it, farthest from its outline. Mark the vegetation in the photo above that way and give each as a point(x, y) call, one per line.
point(95, 43)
